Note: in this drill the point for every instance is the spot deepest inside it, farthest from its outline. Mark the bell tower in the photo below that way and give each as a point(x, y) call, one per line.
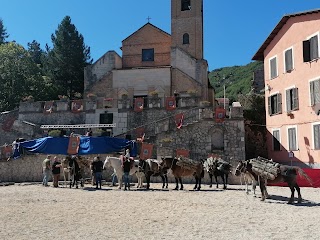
point(187, 26)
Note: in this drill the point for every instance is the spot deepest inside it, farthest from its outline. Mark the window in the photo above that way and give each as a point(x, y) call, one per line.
point(275, 104)
point(311, 49)
point(292, 138)
point(315, 92)
point(273, 68)
point(276, 140)
point(288, 60)
point(148, 55)
point(185, 5)
point(292, 99)
point(186, 38)
point(316, 136)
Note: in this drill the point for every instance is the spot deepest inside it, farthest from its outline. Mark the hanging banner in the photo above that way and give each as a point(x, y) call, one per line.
point(182, 152)
point(6, 152)
point(179, 120)
point(48, 107)
point(170, 103)
point(73, 146)
point(220, 115)
point(8, 123)
point(140, 134)
point(146, 151)
point(138, 104)
point(76, 106)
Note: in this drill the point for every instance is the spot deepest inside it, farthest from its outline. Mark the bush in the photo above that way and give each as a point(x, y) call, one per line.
point(54, 133)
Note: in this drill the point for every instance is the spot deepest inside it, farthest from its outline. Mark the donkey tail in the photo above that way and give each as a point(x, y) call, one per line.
point(304, 175)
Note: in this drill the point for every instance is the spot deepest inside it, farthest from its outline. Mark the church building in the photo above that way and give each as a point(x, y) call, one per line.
point(153, 62)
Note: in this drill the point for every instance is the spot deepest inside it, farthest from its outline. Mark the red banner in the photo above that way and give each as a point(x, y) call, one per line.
point(179, 120)
point(170, 103)
point(76, 106)
point(140, 134)
point(8, 123)
point(48, 107)
point(6, 151)
point(146, 151)
point(138, 104)
point(220, 115)
point(183, 152)
point(73, 145)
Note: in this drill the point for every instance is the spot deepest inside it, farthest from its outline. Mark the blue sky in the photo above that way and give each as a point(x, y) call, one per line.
point(233, 29)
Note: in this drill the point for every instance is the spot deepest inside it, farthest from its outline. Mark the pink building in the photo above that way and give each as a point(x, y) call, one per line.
point(292, 89)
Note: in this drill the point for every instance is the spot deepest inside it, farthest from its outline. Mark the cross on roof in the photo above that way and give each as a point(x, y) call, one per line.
point(148, 18)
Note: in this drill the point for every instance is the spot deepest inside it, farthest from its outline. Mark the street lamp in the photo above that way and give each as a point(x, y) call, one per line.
point(224, 78)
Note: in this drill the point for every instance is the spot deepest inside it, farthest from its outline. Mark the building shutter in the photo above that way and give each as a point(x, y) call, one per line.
point(306, 51)
point(273, 66)
point(314, 52)
point(316, 91)
point(292, 139)
point(276, 140)
point(312, 93)
point(269, 106)
point(279, 100)
point(295, 99)
point(288, 100)
point(288, 60)
point(316, 131)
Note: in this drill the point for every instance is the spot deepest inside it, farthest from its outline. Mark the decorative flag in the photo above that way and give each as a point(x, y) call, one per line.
point(6, 151)
point(8, 123)
point(73, 145)
point(146, 151)
point(220, 115)
point(182, 152)
point(140, 134)
point(76, 106)
point(170, 103)
point(138, 104)
point(48, 107)
point(179, 120)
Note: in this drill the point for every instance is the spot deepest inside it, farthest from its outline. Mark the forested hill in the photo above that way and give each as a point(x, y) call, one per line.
point(237, 80)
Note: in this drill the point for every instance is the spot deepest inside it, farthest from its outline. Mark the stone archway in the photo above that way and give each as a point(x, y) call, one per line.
point(217, 139)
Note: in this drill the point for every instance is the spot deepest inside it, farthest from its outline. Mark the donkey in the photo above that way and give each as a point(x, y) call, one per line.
point(179, 172)
point(116, 164)
point(286, 174)
point(217, 168)
point(151, 167)
point(72, 171)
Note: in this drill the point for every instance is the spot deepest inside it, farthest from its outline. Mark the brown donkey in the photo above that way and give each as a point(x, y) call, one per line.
point(287, 174)
point(179, 172)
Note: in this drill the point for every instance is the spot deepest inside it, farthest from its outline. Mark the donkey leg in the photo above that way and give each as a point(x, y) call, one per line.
point(177, 183)
point(163, 181)
point(196, 186)
point(224, 181)
point(262, 189)
point(148, 181)
point(181, 184)
point(216, 177)
point(210, 180)
point(299, 194)
point(166, 178)
point(120, 181)
point(291, 200)
point(199, 186)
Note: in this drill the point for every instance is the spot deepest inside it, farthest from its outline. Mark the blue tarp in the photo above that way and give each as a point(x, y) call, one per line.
point(88, 145)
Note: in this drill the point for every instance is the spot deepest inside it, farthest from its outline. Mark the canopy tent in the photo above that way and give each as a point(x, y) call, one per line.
point(87, 145)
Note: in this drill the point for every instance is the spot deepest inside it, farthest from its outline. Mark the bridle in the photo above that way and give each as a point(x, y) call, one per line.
point(242, 169)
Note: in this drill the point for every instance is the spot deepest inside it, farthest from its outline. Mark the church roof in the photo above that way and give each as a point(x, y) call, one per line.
point(259, 54)
point(147, 24)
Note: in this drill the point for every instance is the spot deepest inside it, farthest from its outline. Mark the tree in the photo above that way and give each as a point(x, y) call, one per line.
point(67, 59)
point(3, 32)
point(35, 52)
point(19, 77)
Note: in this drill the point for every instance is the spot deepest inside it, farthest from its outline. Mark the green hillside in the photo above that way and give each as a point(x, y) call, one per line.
point(237, 80)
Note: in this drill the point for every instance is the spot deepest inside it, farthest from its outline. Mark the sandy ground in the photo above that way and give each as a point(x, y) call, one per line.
point(30, 211)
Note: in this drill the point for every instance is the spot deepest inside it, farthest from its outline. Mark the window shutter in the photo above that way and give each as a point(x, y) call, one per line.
point(314, 54)
point(273, 66)
point(316, 90)
point(288, 60)
point(279, 103)
point(269, 106)
point(316, 131)
point(288, 102)
point(292, 139)
point(306, 51)
point(312, 93)
point(295, 99)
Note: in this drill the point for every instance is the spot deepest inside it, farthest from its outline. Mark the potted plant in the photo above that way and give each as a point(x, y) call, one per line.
point(204, 103)
point(153, 94)
point(192, 92)
point(28, 98)
point(124, 96)
point(63, 97)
